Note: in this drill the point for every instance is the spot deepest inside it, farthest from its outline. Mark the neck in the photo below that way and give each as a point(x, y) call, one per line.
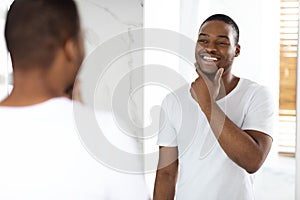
point(32, 87)
point(229, 82)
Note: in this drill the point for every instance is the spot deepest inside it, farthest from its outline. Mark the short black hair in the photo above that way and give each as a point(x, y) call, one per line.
point(227, 20)
point(36, 29)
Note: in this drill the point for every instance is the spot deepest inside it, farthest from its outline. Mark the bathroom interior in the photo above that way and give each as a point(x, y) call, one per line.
point(269, 35)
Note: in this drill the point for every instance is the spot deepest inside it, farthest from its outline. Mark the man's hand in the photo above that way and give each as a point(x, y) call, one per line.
point(204, 90)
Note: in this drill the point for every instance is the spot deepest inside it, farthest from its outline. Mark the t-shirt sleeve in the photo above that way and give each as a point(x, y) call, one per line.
point(260, 114)
point(167, 133)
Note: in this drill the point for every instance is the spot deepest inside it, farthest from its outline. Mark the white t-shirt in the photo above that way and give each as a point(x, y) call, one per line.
point(43, 157)
point(205, 171)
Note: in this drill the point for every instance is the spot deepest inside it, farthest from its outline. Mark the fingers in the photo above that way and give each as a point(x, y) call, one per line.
point(218, 75)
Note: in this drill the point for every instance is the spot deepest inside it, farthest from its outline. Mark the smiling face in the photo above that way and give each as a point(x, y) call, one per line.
point(216, 47)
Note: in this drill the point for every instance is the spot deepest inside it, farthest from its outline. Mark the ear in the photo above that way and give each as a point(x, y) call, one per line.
point(70, 49)
point(237, 50)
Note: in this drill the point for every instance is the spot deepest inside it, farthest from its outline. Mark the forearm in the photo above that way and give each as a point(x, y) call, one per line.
point(166, 174)
point(164, 188)
point(240, 146)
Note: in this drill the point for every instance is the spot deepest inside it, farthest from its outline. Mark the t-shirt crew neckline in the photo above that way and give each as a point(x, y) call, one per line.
point(49, 101)
point(227, 96)
point(232, 91)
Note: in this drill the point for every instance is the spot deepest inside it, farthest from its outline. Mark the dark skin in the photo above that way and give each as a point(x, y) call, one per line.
point(166, 174)
point(215, 51)
point(36, 84)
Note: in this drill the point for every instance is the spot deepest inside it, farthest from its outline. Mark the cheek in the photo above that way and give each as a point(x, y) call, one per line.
point(196, 51)
point(197, 56)
point(229, 54)
point(229, 60)
point(198, 47)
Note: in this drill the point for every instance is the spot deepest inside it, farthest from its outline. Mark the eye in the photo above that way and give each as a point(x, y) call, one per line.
point(202, 41)
point(222, 43)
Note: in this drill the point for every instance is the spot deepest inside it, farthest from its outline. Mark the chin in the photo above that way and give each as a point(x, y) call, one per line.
point(208, 70)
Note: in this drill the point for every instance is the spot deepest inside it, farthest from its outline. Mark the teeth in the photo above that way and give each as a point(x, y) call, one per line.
point(209, 58)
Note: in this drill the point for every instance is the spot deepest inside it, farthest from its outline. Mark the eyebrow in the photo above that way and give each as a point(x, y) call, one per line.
point(219, 36)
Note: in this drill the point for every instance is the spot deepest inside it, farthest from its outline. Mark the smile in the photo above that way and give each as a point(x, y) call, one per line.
point(208, 58)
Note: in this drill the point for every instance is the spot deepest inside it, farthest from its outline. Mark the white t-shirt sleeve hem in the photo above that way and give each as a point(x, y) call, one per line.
point(266, 131)
point(162, 144)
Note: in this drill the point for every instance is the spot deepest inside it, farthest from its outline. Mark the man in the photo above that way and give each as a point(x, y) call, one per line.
point(42, 156)
point(216, 132)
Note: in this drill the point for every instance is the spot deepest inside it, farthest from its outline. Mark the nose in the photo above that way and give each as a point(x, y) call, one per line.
point(211, 47)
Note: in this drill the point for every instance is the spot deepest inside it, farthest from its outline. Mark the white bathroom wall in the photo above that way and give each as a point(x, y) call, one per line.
point(3, 52)
point(111, 39)
point(161, 15)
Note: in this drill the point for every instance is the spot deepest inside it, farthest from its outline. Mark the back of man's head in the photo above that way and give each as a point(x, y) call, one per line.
point(36, 29)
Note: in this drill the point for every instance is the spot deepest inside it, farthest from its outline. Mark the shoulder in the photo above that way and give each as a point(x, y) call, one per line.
point(257, 95)
point(253, 88)
point(251, 85)
point(179, 95)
